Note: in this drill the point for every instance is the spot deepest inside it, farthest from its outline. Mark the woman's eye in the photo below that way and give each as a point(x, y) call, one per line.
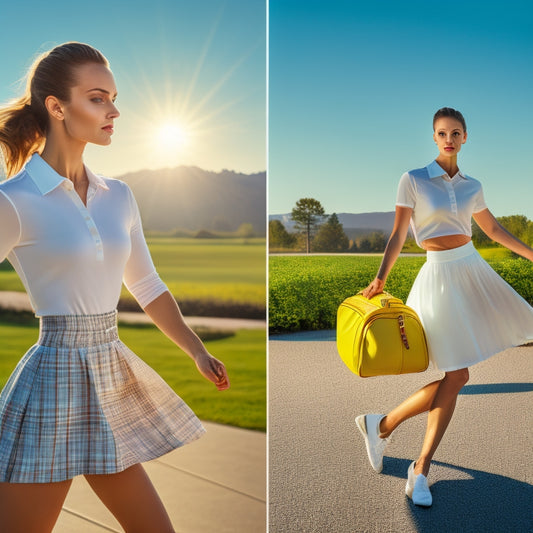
point(97, 100)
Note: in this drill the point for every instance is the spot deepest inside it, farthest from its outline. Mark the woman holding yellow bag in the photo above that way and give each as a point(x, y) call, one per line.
point(455, 291)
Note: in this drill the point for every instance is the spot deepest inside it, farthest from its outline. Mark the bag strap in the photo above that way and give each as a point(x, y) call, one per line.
point(403, 335)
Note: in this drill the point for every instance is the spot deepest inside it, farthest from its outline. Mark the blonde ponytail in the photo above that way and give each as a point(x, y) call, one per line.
point(20, 134)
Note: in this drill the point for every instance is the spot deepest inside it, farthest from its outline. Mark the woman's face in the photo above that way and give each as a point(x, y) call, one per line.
point(89, 115)
point(449, 136)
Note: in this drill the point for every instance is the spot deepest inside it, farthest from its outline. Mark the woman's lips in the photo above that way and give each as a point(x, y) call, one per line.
point(109, 129)
point(448, 148)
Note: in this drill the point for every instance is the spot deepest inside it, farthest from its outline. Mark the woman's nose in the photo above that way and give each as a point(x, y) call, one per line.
point(114, 112)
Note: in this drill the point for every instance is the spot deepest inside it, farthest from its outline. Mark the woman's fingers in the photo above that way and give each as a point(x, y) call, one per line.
point(376, 287)
point(214, 370)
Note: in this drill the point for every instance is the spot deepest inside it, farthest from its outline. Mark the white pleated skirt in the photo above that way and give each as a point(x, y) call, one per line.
point(468, 311)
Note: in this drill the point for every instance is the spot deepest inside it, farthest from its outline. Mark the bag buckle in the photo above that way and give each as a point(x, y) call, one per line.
point(403, 335)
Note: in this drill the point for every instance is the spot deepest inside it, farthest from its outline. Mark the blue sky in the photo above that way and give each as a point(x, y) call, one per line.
point(201, 64)
point(353, 87)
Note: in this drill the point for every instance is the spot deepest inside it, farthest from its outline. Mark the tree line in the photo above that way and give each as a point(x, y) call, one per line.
point(318, 232)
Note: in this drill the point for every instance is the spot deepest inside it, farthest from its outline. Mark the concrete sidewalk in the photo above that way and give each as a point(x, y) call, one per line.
point(216, 484)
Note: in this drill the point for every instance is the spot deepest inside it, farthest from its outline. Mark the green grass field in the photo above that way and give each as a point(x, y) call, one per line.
point(226, 270)
point(243, 405)
point(305, 292)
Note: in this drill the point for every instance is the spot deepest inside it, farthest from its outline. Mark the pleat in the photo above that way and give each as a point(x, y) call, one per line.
point(81, 402)
point(468, 311)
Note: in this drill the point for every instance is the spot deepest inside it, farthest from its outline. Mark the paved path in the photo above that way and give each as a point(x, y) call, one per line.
point(20, 301)
point(320, 479)
point(215, 484)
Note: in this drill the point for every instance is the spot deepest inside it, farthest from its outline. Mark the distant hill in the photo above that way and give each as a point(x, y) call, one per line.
point(354, 224)
point(192, 198)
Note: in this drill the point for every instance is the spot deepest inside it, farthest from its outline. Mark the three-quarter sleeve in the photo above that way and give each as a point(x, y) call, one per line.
point(10, 228)
point(406, 196)
point(140, 275)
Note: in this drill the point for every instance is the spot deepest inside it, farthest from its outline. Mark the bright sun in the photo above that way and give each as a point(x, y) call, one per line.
point(172, 136)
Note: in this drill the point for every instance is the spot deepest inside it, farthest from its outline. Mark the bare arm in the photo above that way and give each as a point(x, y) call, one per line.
point(392, 251)
point(166, 315)
point(493, 229)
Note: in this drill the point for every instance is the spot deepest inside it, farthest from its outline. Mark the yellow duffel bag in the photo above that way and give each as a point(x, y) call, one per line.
point(380, 336)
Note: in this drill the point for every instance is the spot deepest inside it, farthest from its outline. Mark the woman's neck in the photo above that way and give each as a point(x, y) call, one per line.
point(449, 164)
point(66, 161)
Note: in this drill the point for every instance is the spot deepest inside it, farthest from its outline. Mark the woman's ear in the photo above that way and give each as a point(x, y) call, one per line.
point(54, 108)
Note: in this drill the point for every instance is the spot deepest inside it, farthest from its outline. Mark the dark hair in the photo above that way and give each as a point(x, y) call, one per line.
point(449, 112)
point(24, 121)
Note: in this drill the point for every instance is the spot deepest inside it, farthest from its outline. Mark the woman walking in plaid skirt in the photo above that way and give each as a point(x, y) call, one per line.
point(80, 402)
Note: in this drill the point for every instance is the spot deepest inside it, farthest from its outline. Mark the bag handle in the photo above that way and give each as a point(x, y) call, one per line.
point(387, 300)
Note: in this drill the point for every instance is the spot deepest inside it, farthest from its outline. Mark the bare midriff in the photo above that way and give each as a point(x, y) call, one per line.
point(446, 242)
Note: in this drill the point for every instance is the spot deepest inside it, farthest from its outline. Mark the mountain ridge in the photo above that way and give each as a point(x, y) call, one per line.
point(190, 198)
point(372, 221)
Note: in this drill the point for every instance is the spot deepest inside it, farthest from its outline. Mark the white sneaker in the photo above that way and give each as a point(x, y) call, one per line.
point(417, 488)
point(375, 446)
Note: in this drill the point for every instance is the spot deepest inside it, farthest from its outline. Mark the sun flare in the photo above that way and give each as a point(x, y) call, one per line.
point(172, 136)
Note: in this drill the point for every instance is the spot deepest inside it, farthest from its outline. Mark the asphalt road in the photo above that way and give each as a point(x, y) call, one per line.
point(319, 476)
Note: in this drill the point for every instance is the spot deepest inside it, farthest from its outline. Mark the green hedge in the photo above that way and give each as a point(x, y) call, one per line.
point(305, 292)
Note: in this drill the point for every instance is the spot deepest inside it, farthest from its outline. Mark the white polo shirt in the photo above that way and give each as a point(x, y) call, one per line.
point(73, 258)
point(442, 205)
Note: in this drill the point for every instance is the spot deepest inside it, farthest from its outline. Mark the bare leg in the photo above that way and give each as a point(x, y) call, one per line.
point(419, 402)
point(133, 500)
point(439, 398)
point(31, 507)
point(440, 415)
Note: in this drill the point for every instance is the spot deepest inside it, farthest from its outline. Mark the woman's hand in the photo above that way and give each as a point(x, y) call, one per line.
point(213, 370)
point(376, 287)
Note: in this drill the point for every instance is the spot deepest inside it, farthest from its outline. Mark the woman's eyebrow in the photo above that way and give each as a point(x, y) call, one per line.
point(101, 90)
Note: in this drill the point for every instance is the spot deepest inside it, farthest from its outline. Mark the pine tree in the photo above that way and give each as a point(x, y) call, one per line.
point(331, 237)
point(307, 214)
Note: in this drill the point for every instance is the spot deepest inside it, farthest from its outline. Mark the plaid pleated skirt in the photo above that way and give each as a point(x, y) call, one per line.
point(468, 311)
point(81, 402)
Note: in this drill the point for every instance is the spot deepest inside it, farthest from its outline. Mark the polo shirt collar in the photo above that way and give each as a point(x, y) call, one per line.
point(436, 171)
point(47, 179)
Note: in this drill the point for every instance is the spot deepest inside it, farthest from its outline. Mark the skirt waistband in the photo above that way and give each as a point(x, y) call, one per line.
point(454, 254)
point(78, 330)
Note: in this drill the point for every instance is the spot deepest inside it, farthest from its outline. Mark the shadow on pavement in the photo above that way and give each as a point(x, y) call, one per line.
point(496, 388)
point(478, 501)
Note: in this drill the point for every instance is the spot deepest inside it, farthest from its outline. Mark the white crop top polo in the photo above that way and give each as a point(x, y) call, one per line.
point(441, 205)
point(72, 259)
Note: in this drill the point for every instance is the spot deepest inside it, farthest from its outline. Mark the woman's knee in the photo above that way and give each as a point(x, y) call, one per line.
point(458, 377)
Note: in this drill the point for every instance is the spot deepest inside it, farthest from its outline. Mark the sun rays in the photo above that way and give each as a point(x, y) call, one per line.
point(185, 114)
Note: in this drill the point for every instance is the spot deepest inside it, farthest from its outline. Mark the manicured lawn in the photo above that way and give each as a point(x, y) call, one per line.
point(209, 269)
point(244, 355)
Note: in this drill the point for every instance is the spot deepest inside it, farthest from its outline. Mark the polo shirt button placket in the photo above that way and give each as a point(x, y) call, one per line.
point(451, 195)
point(91, 226)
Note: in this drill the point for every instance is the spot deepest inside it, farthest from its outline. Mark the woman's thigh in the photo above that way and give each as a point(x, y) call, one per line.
point(132, 499)
point(31, 507)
